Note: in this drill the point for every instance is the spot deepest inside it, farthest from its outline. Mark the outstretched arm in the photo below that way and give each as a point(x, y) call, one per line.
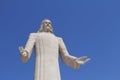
point(69, 60)
point(27, 51)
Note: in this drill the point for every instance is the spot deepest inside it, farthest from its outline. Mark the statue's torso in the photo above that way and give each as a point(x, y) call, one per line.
point(46, 63)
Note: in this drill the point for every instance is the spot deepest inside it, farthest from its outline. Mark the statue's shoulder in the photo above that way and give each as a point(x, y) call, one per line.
point(59, 38)
point(33, 34)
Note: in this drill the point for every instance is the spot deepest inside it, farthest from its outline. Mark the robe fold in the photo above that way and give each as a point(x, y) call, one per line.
point(47, 49)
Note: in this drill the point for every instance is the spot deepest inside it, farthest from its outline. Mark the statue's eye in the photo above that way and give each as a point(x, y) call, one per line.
point(49, 23)
point(45, 23)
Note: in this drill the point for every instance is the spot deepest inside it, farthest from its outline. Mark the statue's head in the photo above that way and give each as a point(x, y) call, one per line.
point(46, 26)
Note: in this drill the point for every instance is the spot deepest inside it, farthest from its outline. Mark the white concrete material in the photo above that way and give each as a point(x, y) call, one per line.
point(47, 49)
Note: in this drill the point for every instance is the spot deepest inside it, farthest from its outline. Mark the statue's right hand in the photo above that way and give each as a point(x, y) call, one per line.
point(23, 54)
point(22, 51)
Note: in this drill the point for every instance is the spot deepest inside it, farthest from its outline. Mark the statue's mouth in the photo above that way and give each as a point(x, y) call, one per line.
point(48, 29)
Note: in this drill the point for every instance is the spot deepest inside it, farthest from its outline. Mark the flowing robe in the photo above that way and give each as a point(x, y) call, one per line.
point(47, 49)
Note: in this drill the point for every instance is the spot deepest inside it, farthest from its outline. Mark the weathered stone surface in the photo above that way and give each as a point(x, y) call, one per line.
point(47, 49)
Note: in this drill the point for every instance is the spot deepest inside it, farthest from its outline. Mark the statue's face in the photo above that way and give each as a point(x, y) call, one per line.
point(47, 25)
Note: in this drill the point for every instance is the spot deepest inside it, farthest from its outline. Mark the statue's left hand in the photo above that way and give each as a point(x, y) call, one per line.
point(82, 60)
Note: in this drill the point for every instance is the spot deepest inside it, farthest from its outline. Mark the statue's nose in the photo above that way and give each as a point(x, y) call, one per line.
point(47, 24)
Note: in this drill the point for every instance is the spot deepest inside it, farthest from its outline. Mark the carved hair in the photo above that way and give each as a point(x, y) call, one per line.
point(41, 26)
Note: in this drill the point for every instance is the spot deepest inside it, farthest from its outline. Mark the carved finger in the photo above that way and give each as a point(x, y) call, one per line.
point(21, 49)
point(82, 58)
point(88, 59)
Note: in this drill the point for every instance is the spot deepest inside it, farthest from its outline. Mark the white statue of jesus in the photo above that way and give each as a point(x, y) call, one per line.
point(47, 49)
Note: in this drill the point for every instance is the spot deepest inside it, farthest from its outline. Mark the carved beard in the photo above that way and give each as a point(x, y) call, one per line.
point(46, 29)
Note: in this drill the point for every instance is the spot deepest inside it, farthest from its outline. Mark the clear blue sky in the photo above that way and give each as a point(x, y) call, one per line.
point(88, 27)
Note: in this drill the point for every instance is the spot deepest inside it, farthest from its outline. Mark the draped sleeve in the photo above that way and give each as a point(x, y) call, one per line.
point(30, 44)
point(66, 57)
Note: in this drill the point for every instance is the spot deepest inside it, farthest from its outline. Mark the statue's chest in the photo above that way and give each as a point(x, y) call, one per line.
point(47, 39)
point(47, 43)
